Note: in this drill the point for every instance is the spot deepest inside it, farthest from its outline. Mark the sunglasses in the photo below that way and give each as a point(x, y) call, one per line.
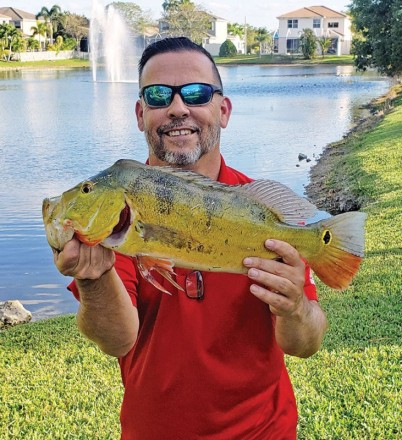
point(195, 285)
point(193, 94)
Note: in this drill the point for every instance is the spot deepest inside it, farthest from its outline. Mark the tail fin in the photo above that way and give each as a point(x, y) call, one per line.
point(342, 250)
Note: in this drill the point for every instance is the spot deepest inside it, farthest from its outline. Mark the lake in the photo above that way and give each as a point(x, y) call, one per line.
point(58, 127)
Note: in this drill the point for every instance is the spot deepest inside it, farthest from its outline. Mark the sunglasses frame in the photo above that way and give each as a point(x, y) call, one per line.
point(178, 90)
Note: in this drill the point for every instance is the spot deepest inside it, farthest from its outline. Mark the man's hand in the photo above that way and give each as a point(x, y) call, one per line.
point(83, 262)
point(300, 324)
point(280, 283)
point(106, 314)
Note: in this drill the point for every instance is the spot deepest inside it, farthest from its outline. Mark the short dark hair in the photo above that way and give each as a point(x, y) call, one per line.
point(174, 44)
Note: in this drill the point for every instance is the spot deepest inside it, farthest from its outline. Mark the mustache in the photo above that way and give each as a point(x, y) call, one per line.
point(175, 124)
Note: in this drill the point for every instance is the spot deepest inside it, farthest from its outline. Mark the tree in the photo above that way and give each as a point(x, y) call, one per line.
point(236, 30)
point(174, 5)
point(325, 44)
point(227, 49)
point(32, 44)
point(188, 20)
point(75, 26)
point(40, 29)
point(9, 37)
point(137, 19)
point(250, 33)
point(263, 36)
point(53, 17)
point(378, 35)
point(308, 43)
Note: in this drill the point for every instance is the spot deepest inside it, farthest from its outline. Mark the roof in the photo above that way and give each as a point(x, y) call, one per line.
point(17, 14)
point(5, 16)
point(314, 12)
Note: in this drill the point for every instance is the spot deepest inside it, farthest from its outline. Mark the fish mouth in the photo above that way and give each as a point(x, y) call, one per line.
point(120, 230)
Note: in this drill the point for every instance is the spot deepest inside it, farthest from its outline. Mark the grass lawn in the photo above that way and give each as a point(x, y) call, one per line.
point(56, 64)
point(285, 59)
point(57, 385)
point(240, 59)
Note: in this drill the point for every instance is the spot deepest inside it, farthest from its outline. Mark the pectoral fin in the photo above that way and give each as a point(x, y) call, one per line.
point(164, 267)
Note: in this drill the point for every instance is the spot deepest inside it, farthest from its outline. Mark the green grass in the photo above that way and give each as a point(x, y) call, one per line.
point(57, 385)
point(285, 59)
point(71, 63)
point(351, 389)
point(239, 59)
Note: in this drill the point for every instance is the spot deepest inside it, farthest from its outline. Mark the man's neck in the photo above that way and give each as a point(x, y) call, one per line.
point(208, 165)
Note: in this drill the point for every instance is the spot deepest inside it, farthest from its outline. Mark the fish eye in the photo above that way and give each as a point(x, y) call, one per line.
point(86, 187)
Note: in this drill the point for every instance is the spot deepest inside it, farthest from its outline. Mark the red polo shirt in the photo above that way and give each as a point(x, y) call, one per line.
point(205, 369)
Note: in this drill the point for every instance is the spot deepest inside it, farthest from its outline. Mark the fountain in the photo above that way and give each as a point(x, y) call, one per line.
point(112, 46)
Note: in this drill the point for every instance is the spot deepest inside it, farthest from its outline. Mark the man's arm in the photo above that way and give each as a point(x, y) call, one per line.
point(106, 314)
point(300, 323)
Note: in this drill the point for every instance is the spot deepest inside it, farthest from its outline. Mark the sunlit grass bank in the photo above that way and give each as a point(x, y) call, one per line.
point(352, 388)
point(240, 59)
point(56, 64)
point(285, 59)
point(56, 385)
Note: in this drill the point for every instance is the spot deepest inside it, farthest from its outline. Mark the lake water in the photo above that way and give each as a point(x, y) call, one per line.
point(58, 128)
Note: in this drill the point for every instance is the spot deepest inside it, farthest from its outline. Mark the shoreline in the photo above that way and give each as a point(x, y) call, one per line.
point(330, 191)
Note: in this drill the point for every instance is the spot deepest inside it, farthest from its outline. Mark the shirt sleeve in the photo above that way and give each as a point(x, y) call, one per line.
point(126, 270)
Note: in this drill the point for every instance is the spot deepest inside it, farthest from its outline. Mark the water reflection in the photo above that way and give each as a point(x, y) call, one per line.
point(58, 127)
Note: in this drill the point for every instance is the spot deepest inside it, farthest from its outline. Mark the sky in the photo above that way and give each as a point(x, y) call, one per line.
point(257, 13)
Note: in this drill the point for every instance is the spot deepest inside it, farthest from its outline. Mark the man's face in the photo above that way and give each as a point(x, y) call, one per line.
point(179, 134)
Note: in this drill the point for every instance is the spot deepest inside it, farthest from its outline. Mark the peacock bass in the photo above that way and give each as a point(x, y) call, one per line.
point(167, 217)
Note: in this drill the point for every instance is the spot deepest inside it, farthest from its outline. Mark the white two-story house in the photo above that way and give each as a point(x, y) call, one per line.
point(24, 21)
point(324, 22)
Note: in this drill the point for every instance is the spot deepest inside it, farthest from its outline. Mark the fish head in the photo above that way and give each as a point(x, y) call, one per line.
point(91, 211)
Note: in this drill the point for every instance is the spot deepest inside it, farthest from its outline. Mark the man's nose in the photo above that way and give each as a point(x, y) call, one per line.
point(177, 108)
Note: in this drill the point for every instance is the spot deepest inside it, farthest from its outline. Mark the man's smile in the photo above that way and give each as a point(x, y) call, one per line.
point(182, 132)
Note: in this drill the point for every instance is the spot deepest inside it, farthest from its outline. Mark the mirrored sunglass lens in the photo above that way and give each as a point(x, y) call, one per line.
point(196, 94)
point(158, 96)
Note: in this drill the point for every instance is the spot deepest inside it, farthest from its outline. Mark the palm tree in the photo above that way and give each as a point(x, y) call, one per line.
point(8, 33)
point(40, 29)
point(52, 17)
point(261, 36)
point(325, 44)
point(236, 29)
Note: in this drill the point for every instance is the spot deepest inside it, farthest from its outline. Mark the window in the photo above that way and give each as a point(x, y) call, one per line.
point(292, 45)
point(293, 24)
point(333, 24)
point(316, 23)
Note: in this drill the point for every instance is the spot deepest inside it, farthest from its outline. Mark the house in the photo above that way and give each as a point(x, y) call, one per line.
point(323, 21)
point(4, 19)
point(20, 19)
point(218, 34)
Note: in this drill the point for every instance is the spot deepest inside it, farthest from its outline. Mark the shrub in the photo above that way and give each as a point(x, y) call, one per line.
point(227, 49)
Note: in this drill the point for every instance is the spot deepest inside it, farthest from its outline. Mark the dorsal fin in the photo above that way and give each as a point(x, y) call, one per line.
point(286, 204)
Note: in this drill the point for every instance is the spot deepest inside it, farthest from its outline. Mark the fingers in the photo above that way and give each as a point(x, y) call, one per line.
point(280, 284)
point(84, 262)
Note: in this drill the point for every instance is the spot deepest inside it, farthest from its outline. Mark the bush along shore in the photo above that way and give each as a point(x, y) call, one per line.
point(56, 384)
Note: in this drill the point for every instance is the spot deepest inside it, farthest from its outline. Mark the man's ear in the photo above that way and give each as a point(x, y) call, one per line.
point(226, 110)
point(139, 112)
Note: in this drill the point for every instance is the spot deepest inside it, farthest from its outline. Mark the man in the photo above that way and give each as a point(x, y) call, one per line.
point(210, 368)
